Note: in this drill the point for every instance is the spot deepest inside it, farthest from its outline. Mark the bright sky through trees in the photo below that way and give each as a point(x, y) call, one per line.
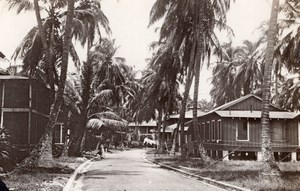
point(129, 24)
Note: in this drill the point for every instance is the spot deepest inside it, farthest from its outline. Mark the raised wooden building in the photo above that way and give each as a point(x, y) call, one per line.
point(24, 108)
point(235, 126)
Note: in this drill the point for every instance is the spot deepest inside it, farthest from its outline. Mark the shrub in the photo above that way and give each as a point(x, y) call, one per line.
point(7, 158)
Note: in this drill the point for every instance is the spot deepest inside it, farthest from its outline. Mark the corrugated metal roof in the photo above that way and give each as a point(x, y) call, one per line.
point(144, 123)
point(188, 115)
point(257, 114)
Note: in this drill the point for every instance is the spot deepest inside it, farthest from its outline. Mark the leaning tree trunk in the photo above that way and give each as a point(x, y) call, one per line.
point(46, 49)
point(180, 123)
point(41, 155)
point(270, 167)
point(199, 37)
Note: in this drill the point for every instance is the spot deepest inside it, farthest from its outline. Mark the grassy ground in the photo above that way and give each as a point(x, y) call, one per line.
point(44, 179)
point(239, 173)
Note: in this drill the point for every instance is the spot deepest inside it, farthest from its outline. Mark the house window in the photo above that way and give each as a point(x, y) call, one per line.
point(213, 130)
point(219, 130)
point(207, 131)
point(279, 131)
point(242, 131)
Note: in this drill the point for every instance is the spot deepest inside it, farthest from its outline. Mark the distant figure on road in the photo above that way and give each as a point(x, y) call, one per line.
point(101, 151)
point(102, 155)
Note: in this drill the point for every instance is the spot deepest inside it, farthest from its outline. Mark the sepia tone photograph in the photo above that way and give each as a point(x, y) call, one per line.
point(149, 95)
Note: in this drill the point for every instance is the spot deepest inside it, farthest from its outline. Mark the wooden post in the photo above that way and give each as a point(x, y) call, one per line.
point(30, 111)
point(294, 157)
point(61, 133)
point(225, 156)
point(299, 133)
point(259, 156)
point(2, 103)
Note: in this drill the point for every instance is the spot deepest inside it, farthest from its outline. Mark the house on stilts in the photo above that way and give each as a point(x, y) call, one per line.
point(233, 131)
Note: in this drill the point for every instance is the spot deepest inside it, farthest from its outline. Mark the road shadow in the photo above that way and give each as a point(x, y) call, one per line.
point(111, 172)
point(94, 177)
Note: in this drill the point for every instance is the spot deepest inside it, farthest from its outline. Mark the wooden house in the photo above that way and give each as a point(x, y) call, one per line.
point(172, 124)
point(143, 129)
point(25, 107)
point(235, 126)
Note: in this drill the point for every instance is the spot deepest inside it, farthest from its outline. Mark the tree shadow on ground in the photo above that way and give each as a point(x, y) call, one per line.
point(111, 172)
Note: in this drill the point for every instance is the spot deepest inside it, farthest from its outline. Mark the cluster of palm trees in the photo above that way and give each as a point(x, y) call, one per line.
point(238, 73)
point(99, 88)
point(240, 69)
point(187, 40)
point(104, 91)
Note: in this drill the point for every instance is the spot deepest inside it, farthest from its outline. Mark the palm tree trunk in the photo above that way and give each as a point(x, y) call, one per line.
point(86, 82)
point(46, 49)
point(170, 97)
point(159, 146)
point(270, 167)
point(64, 152)
point(180, 123)
point(199, 34)
point(41, 155)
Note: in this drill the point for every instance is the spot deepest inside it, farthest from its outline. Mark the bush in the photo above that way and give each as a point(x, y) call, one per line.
point(7, 158)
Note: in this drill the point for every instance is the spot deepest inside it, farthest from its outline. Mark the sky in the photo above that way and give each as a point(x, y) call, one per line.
point(129, 23)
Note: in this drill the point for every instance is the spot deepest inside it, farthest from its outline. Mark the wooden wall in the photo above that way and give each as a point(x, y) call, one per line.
point(228, 140)
point(25, 108)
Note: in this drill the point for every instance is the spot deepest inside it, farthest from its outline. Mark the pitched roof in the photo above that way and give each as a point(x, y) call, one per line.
point(144, 123)
point(188, 115)
point(257, 114)
point(231, 103)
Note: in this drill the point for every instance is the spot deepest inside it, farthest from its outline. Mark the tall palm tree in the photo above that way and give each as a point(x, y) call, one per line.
point(87, 17)
point(270, 167)
point(190, 22)
point(104, 120)
point(42, 152)
point(103, 85)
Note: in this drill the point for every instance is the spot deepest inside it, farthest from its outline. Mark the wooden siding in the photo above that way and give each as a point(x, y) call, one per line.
point(23, 111)
point(205, 130)
point(40, 98)
point(16, 94)
point(230, 141)
point(248, 104)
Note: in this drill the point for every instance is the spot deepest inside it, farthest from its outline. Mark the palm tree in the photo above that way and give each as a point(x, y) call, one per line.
point(223, 87)
point(249, 75)
point(270, 167)
point(286, 55)
point(190, 22)
point(88, 16)
point(42, 152)
point(289, 98)
point(103, 85)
